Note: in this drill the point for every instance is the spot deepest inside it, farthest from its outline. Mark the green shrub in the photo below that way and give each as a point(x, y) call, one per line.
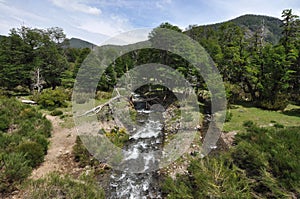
point(23, 144)
point(271, 159)
point(117, 136)
point(211, 177)
point(41, 140)
point(33, 151)
point(4, 123)
point(264, 163)
point(14, 169)
point(56, 113)
point(248, 123)
point(55, 186)
point(277, 125)
point(228, 116)
point(234, 93)
point(249, 158)
point(52, 98)
point(277, 103)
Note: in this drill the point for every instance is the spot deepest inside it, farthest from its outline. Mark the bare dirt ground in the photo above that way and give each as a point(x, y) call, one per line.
point(59, 157)
point(60, 150)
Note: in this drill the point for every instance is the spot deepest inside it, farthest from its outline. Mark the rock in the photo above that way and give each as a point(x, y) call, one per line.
point(28, 102)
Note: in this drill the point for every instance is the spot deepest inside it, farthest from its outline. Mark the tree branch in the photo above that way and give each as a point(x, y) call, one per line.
point(98, 108)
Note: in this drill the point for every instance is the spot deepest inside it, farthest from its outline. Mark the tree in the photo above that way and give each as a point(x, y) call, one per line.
point(25, 50)
point(291, 42)
point(290, 29)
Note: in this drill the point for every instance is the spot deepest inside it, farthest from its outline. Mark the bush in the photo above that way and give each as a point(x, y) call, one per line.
point(211, 177)
point(117, 136)
point(41, 140)
point(234, 93)
point(14, 169)
point(56, 113)
point(277, 103)
point(249, 158)
point(228, 116)
point(248, 123)
point(52, 98)
point(33, 151)
point(271, 159)
point(23, 143)
point(4, 123)
point(55, 186)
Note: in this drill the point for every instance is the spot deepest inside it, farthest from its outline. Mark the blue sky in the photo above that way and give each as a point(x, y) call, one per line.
point(97, 20)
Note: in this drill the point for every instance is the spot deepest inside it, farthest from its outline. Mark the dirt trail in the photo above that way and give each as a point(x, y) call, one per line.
point(60, 149)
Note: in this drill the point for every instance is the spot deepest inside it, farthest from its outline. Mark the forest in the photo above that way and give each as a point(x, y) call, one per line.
point(258, 58)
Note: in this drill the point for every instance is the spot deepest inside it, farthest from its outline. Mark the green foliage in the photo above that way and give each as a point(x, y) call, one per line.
point(23, 144)
point(213, 177)
point(56, 112)
point(270, 158)
point(228, 116)
point(33, 151)
point(276, 104)
point(56, 186)
point(26, 50)
point(117, 136)
point(52, 98)
point(263, 163)
point(4, 123)
point(249, 64)
point(14, 169)
point(75, 58)
point(250, 22)
point(177, 189)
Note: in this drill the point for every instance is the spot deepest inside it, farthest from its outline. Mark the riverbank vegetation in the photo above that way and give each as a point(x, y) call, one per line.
point(263, 163)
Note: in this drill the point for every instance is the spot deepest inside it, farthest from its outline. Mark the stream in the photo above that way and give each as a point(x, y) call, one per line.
point(144, 144)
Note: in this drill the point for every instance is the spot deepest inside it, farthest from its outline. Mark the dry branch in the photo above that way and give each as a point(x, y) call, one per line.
point(98, 108)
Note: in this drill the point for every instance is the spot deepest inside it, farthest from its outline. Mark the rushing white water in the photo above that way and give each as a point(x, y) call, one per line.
point(140, 152)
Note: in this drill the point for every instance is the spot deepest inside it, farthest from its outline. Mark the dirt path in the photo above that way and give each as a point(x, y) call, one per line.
point(60, 150)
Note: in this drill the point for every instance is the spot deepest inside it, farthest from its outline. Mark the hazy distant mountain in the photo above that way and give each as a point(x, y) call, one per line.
point(252, 23)
point(79, 43)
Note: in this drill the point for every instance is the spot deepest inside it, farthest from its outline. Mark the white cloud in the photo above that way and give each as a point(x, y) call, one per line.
point(108, 26)
point(12, 17)
point(129, 37)
point(75, 5)
point(162, 3)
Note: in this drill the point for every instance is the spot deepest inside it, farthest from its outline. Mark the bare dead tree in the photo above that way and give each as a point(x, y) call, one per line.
point(38, 80)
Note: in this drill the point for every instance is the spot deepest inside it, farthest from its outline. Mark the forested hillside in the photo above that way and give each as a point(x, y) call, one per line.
point(271, 27)
point(266, 72)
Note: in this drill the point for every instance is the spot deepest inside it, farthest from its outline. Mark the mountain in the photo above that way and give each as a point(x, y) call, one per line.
point(251, 24)
point(79, 43)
